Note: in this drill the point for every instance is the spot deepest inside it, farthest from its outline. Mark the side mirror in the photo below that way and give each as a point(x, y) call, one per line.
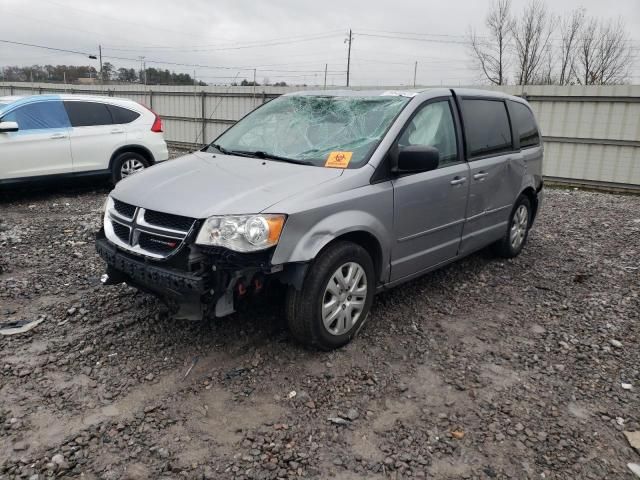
point(417, 158)
point(6, 127)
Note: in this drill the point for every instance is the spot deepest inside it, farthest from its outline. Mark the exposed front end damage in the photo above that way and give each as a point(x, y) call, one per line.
point(156, 253)
point(198, 281)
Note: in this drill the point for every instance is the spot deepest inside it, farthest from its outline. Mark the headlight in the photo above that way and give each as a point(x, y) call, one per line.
point(242, 233)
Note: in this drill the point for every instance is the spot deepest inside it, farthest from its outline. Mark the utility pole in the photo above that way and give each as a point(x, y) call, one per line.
point(254, 87)
point(101, 72)
point(415, 73)
point(195, 104)
point(143, 70)
point(349, 40)
point(325, 75)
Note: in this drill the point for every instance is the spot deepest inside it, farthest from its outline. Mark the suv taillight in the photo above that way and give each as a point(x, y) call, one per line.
point(157, 123)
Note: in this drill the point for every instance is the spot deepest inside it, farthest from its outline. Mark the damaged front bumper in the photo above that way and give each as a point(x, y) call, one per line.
point(124, 267)
point(196, 282)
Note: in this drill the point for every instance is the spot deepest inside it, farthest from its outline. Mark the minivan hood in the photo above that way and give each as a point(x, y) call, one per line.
point(202, 184)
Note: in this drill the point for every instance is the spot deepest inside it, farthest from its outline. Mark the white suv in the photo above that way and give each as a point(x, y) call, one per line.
point(76, 135)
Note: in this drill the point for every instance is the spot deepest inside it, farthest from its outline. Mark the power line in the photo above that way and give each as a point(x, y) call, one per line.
point(163, 62)
point(443, 35)
point(430, 40)
point(463, 38)
point(138, 24)
point(47, 48)
point(237, 46)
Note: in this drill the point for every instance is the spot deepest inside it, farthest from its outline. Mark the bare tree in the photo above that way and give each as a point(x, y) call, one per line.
point(491, 53)
point(604, 54)
point(546, 74)
point(570, 32)
point(614, 53)
point(588, 52)
point(532, 39)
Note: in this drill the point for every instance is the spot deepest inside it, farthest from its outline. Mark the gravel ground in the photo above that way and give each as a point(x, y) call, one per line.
point(485, 369)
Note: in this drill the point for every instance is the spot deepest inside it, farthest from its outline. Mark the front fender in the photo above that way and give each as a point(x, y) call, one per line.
point(305, 234)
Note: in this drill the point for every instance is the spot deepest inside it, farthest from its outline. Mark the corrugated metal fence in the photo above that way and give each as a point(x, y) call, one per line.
point(591, 134)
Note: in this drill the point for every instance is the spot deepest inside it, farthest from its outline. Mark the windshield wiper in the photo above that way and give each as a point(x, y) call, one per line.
point(271, 156)
point(239, 153)
point(259, 154)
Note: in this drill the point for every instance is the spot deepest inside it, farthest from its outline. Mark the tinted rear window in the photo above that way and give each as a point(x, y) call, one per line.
point(36, 116)
point(122, 115)
point(487, 127)
point(86, 114)
point(525, 125)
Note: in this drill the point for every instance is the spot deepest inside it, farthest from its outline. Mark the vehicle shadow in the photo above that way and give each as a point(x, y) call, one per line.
point(50, 189)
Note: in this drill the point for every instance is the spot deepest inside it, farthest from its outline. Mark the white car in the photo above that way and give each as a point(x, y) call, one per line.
point(76, 135)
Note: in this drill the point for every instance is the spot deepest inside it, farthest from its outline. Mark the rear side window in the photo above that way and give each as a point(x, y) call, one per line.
point(487, 127)
point(37, 116)
point(87, 114)
point(525, 125)
point(122, 115)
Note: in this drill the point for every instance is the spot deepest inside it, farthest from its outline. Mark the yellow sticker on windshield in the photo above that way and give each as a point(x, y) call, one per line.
point(338, 159)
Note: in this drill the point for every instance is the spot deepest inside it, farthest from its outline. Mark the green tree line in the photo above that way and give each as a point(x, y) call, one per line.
point(72, 73)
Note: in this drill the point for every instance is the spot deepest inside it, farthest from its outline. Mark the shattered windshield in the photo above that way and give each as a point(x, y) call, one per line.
point(314, 130)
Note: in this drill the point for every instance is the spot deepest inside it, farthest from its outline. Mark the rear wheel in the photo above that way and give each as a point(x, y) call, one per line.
point(127, 164)
point(335, 299)
point(516, 236)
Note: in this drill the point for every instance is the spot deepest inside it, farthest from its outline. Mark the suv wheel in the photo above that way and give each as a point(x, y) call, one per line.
point(516, 236)
point(127, 164)
point(335, 299)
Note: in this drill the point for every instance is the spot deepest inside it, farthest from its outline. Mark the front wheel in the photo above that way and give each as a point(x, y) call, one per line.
point(516, 236)
point(335, 299)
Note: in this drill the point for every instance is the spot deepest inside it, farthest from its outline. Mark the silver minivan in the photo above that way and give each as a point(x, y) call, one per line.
point(335, 194)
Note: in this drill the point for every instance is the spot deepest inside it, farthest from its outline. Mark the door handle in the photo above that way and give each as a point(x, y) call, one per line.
point(480, 175)
point(59, 135)
point(458, 180)
point(117, 130)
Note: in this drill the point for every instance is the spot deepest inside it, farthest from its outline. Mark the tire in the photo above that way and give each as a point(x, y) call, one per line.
point(304, 308)
point(131, 161)
point(517, 232)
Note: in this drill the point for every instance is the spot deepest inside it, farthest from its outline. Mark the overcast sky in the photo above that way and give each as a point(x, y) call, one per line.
point(288, 40)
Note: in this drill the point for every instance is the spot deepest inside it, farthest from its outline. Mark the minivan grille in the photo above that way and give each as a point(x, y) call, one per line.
point(146, 232)
point(167, 220)
point(124, 208)
point(157, 244)
point(121, 231)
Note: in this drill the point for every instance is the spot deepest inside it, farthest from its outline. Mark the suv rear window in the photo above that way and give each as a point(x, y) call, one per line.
point(525, 125)
point(122, 115)
point(86, 114)
point(487, 126)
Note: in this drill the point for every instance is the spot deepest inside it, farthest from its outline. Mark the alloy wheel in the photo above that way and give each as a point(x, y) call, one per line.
point(519, 226)
point(131, 166)
point(344, 298)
